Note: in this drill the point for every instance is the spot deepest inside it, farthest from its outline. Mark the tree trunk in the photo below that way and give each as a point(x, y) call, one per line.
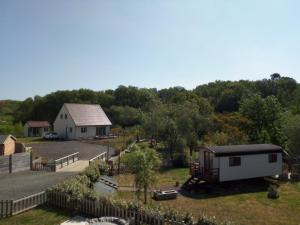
point(145, 194)
point(191, 151)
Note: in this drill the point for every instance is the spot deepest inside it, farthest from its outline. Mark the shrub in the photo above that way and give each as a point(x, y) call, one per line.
point(103, 168)
point(203, 220)
point(181, 159)
point(273, 192)
point(92, 172)
point(77, 187)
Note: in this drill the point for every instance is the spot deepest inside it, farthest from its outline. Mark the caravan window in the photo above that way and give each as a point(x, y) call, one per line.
point(272, 158)
point(234, 161)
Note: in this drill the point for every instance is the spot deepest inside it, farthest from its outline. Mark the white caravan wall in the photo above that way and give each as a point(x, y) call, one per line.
point(252, 166)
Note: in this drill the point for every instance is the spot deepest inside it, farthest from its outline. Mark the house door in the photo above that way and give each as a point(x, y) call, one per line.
point(208, 160)
point(100, 131)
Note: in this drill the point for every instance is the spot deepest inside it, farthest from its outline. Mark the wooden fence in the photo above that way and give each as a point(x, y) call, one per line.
point(101, 157)
point(90, 207)
point(15, 162)
point(65, 161)
point(38, 166)
point(13, 207)
point(100, 208)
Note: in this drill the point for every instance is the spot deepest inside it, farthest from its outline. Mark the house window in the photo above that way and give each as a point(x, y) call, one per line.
point(234, 161)
point(272, 158)
point(45, 129)
point(83, 129)
point(71, 129)
point(61, 116)
point(66, 116)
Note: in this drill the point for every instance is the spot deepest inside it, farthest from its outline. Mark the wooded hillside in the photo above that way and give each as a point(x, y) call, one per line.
point(218, 113)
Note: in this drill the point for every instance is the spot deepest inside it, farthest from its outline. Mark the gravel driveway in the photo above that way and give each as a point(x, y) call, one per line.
point(58, 149)
point(21, 184)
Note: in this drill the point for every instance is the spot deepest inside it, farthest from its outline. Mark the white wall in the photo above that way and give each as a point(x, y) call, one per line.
point(91, 131)
point(60, 126)
point(63, 125)
point(252, 166)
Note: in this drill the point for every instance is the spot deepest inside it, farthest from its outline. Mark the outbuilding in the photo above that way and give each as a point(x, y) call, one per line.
point(7, 144)
point(36, 128)
point(75, 121)
point(237, 162)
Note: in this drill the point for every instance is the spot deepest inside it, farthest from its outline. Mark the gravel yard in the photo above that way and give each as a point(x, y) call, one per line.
point(21, 184)
point(58, 149)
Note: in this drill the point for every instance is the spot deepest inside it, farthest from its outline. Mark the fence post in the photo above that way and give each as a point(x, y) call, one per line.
point(11, 207)
point(31, 159)
point(1, 208)
point(10, 163)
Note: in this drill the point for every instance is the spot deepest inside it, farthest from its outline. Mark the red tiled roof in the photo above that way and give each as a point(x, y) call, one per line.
point(38, 124)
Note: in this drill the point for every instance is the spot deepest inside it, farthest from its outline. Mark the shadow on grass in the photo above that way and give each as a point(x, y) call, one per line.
point(204, 190)
point(56, 211)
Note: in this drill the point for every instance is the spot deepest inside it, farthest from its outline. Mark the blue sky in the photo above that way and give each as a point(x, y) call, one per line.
point(49, 45)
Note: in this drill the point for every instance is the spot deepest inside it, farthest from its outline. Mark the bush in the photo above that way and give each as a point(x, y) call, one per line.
point(203, 220)
point(273, 192)
point(92, 172)
point(103, 168)
point(181, 159)
point(77, 187)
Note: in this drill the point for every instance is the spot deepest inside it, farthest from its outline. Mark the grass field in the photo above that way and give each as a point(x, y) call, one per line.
point(28, 140)
point(38, 216)
point(244, 203)
point(166, 178)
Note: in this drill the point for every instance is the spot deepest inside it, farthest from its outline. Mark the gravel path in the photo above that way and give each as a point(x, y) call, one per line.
point(57, 149)
point(17, 185)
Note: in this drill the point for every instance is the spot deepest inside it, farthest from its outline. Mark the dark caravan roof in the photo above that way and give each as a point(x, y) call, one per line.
point(244, 149)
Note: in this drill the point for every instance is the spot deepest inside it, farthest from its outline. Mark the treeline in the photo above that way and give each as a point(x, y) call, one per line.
point(7, 117)
point(218, 113)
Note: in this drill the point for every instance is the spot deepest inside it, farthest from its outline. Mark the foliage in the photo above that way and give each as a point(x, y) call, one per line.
point(181, 159)
point(144, 164)
point(125, 115)
point(273, 192)
point(291, 129)
point(77, 187)
point(7, 124)
point(92, 172)
point(220, 112)
point(204, 220)
point(103, 168)
point(264, 119)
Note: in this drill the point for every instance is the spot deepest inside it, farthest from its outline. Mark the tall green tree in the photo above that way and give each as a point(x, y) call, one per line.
point(292, 130)
point(264, 118)
point(144, 165)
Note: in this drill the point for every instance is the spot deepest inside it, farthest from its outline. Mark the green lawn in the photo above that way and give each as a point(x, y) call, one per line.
point(166, 177)
point(244, 203)
point(38, 216)
point(28, 140)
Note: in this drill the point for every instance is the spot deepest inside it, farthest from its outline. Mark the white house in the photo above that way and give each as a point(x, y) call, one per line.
point(81, 121)
point(237, 162)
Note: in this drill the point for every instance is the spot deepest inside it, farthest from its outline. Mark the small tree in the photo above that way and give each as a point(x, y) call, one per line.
point(144, 164)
